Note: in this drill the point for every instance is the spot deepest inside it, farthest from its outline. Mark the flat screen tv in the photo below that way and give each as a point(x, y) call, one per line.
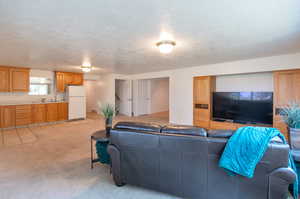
point(243, 107)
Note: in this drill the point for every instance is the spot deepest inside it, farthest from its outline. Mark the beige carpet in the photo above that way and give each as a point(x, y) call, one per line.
point(53, 162)
point(56, 165)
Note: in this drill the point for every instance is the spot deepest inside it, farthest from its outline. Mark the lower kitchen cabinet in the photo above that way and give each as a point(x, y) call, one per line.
point(8, 116)
point(52, 112)
point(62, 111)
point(39, 113)
point(23, 115)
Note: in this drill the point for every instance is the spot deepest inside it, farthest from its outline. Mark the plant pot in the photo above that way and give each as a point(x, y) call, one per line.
point(108, 125)
point(294, 138)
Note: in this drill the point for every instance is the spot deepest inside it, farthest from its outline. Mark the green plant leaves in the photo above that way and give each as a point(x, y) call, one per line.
point(291, 115)
point(107, 110)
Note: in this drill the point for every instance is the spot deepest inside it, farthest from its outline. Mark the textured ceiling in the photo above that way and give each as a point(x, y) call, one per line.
point(119, 36)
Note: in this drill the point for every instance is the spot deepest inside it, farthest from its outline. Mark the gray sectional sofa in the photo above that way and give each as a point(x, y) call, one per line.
point(183, 161)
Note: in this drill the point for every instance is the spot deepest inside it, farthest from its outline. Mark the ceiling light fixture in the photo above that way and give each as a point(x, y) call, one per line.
point(86, 67)
point(166, 44)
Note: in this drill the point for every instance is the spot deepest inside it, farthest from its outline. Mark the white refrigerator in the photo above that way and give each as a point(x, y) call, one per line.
point(77, 102)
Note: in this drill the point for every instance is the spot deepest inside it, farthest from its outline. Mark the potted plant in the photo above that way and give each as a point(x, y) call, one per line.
point(291, 116)
point(108, 111)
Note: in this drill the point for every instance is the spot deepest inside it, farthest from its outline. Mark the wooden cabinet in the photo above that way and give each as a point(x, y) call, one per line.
point(38, 113)
point(286, 90)
point(203, 88)
point(66, 78)
point(63, 111)
point(222, 125)
point(60, 82)
point(19, 79)
point(8, 116)
point(14, 79)
point(4, 79)
point(1, 116)
point(77, 79)
point(231, 125)
point(23, 115)
point(52, 112)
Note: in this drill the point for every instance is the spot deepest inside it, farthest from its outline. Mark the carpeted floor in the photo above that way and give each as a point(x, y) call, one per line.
point(56, 165)
point(53, 162)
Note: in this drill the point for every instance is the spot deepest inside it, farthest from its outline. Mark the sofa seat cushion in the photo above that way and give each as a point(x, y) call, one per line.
point(220, 133)
point(184, 130)
point(138, 126)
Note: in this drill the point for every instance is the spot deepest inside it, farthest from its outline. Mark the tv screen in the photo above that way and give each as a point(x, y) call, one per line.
point(243, 107)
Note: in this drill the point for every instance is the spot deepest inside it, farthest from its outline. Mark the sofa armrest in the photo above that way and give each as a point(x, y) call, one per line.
point(115, 163)
point(279, 180)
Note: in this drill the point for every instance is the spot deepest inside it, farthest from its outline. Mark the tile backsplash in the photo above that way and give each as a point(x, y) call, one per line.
point(19, 97)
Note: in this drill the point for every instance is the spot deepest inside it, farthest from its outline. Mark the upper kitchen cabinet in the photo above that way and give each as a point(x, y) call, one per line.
point(60, 82)
point(14, 79)
point(66, 78)
point(19, 79)
point(4, 79)
point(77, 79)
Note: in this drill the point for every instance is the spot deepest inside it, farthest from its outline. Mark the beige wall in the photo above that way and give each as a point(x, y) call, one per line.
point(245, 82)
point(181, 80)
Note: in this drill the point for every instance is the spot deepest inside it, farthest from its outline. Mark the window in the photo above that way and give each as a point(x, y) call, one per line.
point(39, 86)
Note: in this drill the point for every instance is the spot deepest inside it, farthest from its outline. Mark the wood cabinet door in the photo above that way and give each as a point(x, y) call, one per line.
point(68, 78)
point(203, 88)
point(62, 111)
point(8, 116)
point(51, 112)
point(19, 79)
point(296, 86)
point(283, 87)
point(286, 90)
point(4, 79)
point(39, 113)
point(1, 117)
point(23, 115)
point(77, 79)
point(60, 82)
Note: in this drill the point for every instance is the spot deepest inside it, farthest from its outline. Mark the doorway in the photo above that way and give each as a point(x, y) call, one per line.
point(151, 98)
point(123, 96)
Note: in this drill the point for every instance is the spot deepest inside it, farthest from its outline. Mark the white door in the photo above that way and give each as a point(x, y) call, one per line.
point(125, 96)
point(142, 98)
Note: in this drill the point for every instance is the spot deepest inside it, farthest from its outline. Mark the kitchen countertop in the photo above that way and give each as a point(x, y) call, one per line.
point(26, 103)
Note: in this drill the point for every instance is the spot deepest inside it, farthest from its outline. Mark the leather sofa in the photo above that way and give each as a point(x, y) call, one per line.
point(183, 161)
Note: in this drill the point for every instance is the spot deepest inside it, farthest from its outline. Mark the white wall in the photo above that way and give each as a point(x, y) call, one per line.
point(245, 82)
point(91, 95)
point(159, 95)
point(181, 80)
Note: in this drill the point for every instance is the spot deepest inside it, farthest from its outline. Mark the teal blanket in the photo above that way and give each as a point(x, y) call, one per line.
point(246, 148)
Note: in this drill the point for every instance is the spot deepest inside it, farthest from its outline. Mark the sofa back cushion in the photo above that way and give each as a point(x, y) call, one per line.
point(138, 126)
point(184, 130)
point(220, 133)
